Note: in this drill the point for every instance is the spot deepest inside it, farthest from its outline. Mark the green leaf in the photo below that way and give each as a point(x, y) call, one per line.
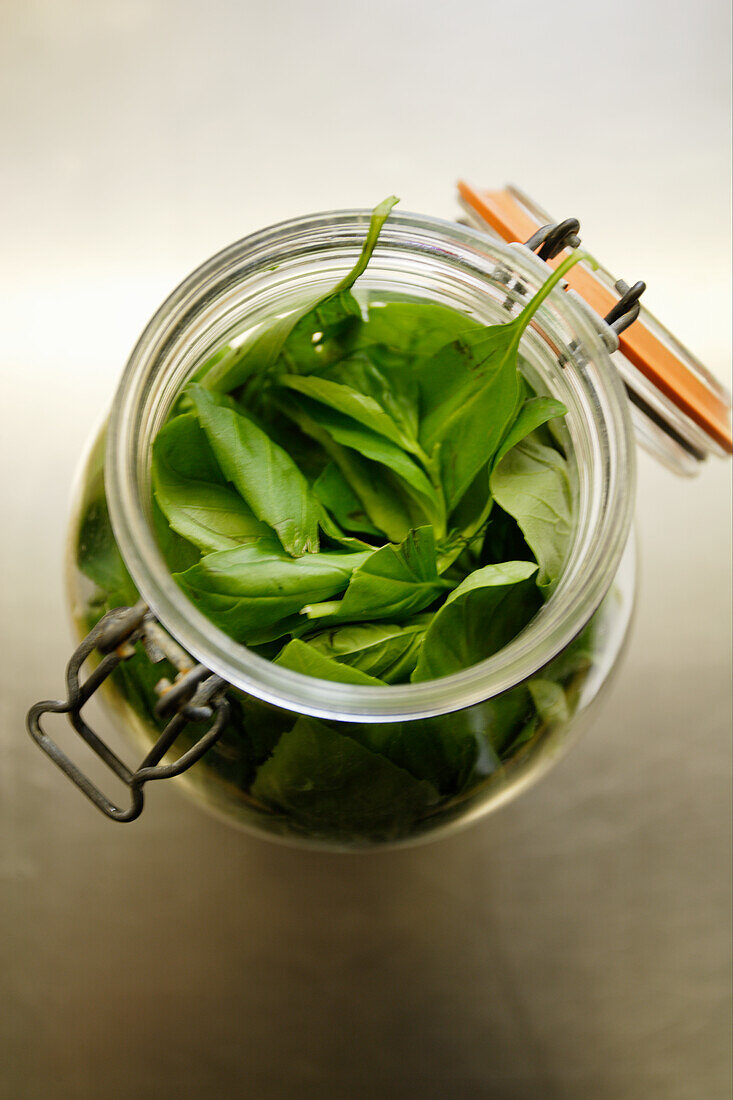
point(393, 387)
point(210, 517)
point(181, 445)
point(303, 657)
point(478, 618)
point(472, 368)
point(263, 473)
point(377, 220)
point(492, 576)
point(577, 658)
point(444, 751)
point(189, 488)
point(551, 711)
point(549, 699)
point(337, 496)
point(251, 590)
point(534, 412)
point(348, 433)
point(384, 650)
point(413, 329)
point(98, 556)
point(178, 552)
point(401, 670)
point(387, 507)
point(257, 354)
point(469, 394)
point(333, 787)
point(395, 581)
point(474, 507)
point(504, 716)
point(325, 335)
point(393, 350)
point(333, 532)
point(358, 406)
point(532, 484)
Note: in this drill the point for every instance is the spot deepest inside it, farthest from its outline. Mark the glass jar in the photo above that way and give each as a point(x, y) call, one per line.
point(399, 763)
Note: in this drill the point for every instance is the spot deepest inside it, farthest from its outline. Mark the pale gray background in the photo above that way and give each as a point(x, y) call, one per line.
point(576, 944)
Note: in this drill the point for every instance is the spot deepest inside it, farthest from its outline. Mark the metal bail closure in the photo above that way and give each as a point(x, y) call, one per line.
point(196, 695)
point(681, 413)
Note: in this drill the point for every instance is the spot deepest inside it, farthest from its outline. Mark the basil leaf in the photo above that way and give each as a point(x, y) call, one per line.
point(189, 488)
point(383, 650)
point(181, 445)
point(328, 311)
point(263, 473)
point(473, 510)
point(503, 717)
point(534, 412)
point(252, 589)
point(179, 553)
point(479, 617)
point(400, 671)
point(549, 699)
point(444, 751)
point(98, 556)
point(469, 394)
point(475, 505)
point(552, 708)
point(333, 532)
point(468, 397)
point(337, 496)
point(449, 552)
point(358, 406)
point(394, 581)
point(305, 658)
point(532, 484)
point(331, 786)
point(576, 659)
point(413, 329)
point(387, 507)
point(348, 433)
point(395, 389)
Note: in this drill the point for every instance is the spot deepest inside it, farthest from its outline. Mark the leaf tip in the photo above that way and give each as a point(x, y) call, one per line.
point(386, 205)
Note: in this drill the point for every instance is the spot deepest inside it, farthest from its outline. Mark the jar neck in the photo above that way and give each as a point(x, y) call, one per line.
point(420, 258)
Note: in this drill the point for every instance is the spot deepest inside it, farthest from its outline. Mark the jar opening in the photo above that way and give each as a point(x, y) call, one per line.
point(417, 257)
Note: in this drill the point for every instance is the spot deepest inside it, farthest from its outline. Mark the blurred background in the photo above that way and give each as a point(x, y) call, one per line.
point(576, 944)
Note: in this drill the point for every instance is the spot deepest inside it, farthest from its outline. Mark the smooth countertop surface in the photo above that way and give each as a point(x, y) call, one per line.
point(576, 944)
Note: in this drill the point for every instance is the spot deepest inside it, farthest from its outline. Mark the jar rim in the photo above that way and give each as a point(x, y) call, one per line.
point(580, 589)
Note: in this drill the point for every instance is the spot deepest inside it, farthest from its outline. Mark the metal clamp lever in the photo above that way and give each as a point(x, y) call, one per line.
point(554, 238)
point(627, 308)
point(196, 695)
point(551, 239)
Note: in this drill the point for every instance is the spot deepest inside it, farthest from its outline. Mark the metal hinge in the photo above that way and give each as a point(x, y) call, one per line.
point(195, 695)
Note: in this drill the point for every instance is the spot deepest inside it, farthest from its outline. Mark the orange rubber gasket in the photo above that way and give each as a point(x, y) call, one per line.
point(653, 358)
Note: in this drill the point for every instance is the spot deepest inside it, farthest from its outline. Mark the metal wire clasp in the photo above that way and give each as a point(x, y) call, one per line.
point(550, 240)
point(195, 695)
